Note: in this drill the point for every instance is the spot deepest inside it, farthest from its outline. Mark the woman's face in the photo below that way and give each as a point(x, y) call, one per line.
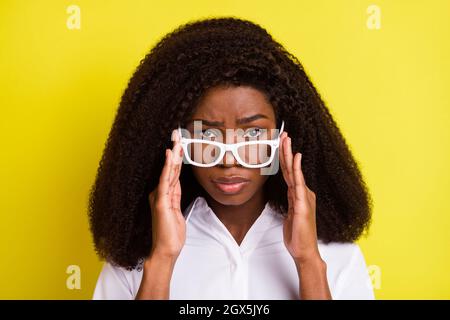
point(223, 111)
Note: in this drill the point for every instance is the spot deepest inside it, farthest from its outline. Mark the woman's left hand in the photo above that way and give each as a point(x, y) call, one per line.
point(299, 229)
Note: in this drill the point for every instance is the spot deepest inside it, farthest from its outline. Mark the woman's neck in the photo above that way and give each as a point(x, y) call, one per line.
point(238, 219)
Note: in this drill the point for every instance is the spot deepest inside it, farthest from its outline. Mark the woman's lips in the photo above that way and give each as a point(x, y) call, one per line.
point(230, 185)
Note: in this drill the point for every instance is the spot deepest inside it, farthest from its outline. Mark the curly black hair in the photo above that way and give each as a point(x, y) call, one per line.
point(164, 91)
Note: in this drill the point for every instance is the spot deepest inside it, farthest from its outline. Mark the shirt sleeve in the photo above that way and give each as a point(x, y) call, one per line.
point(354, 282)
point(112, 284)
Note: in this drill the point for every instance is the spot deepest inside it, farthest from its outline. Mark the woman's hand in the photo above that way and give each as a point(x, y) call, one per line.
point(168, 228)
point(299, 229)
point(168, 222)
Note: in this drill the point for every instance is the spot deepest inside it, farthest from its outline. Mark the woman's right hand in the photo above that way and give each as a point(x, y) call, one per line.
point(168, 228)
point(168, 222)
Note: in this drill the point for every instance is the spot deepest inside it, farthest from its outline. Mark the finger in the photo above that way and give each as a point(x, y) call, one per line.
point(300, 187)
point(283, 143)
point(288, 161)
point(287, 168)
point(176, 174)
point(177, 161)
point(300, 170)
point(163, 185)
point(171, 164)
point(175, 139)
point(290, 201)
point(174, 158)
point(176, 196)
point(180, 164)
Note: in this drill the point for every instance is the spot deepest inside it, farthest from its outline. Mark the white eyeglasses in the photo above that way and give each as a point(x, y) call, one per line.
point(249, 154)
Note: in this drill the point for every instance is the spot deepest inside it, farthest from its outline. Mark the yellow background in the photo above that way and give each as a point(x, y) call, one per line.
point(59, 89)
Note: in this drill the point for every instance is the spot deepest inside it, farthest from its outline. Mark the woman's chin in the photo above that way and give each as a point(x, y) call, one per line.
point(230, 199)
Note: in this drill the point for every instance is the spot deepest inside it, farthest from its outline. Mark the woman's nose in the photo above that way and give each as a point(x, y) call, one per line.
point(229, 160)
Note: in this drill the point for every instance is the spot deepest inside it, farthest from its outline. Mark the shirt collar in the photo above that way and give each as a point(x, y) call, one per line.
point(202, 216)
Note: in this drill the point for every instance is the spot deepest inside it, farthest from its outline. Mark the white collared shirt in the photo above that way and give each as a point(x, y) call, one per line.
point(212, 265)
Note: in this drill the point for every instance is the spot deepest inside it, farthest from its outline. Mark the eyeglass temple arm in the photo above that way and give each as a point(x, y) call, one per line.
point(282, 128)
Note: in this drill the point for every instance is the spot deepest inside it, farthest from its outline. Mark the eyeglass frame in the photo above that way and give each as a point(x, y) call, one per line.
point(233, 147)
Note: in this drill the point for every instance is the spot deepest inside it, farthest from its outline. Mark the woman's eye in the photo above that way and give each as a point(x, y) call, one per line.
point(253, 133)
point(209, 133)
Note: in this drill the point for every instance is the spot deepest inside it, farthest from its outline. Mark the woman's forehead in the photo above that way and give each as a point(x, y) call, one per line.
point(233, 104)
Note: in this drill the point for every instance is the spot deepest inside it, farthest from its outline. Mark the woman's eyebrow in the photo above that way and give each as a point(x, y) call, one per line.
point(209, 123)
point(238, 121)
point(251, 118)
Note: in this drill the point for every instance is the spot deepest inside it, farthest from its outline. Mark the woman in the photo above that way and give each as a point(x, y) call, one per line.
point(227, 224)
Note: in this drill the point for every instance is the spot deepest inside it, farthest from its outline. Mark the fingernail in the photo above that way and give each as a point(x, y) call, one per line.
point(175, 136)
